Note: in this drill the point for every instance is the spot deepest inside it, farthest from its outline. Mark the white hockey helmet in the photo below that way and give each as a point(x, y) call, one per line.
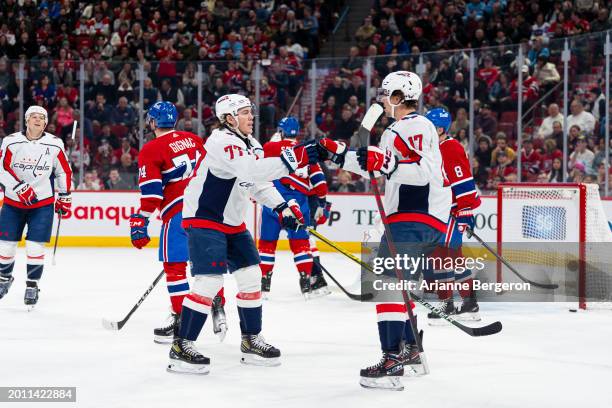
point(230, 105)
point(37, 109)
point(407, 82)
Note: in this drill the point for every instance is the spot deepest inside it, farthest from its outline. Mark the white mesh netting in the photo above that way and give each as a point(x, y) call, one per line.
point(550, 217)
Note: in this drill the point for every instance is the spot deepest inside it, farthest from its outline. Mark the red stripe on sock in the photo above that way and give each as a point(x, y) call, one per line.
point(203, 300)
point(249, 296)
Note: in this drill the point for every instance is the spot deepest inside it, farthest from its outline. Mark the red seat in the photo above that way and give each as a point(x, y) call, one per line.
point(119, 131)
point(509, 117)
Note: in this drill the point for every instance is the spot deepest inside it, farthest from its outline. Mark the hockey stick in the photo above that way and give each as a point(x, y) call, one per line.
point(352, 296)
point(59, 221)
point(487, 330)
point(109, 325)
point(59, 215)
point(471, 233)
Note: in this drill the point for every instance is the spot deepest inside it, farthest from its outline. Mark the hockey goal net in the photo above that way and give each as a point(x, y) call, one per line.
point(558, 227)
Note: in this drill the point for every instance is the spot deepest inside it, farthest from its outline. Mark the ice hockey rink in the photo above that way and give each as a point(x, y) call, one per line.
point(544, 357)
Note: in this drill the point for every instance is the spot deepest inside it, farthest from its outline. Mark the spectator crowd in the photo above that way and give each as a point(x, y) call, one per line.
point(434, 38)
point(112, 40)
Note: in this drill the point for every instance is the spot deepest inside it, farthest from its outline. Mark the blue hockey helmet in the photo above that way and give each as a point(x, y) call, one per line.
point(164, 114)
point(440, 117)
point(290, 126)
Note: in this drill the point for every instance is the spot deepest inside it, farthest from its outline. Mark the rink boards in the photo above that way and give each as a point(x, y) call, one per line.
point(101, 219)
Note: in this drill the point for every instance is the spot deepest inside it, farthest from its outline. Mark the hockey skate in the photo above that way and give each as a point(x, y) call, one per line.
point(469, 310)
point(184, 358)
point(218, 318)
point(411, 358)
point(165, 334)
point(305, 285)
point(318, 286)
point(256, 351)
point(384, 375)
point(31, 294)
point(5, 284)
point(448, 307)
point(266, 282)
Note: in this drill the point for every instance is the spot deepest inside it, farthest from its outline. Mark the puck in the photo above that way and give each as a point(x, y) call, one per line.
point(573, 310)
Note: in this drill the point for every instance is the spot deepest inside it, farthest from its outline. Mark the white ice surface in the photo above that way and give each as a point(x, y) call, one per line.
point(544, 357)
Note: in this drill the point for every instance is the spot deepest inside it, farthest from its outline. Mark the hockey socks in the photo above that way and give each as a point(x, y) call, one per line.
point(267, 250)
point(408, 333)
point(301, 255)
point(249, 310)
point(465, 293)
point(196, 309)
point(7, 258)
point(303, 262)
point(391, 321)
point(6, 269)
point(178, 286)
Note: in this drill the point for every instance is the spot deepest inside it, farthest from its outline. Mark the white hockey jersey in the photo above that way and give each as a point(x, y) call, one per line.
point(230, 172)
point(415, 192)
point(41, 163)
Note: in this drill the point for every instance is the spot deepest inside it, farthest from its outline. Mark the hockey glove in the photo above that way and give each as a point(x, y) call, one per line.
point(300, 155)
point(465, 219)
point(332, 150)
point(26, 193)
point(63, 203)
point(372, 158)
point(290, 215)
point(138, 226)
point(322, 212)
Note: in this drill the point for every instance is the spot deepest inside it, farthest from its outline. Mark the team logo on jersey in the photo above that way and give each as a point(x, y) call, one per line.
point(26, 164)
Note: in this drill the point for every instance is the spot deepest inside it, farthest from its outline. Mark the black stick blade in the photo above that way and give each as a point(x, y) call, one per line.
point(487, 330)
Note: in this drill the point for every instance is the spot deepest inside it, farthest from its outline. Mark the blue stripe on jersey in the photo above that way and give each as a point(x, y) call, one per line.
point(413, 199)
point(316, 178)
point(153, 188)
point(178, 288)
point(466, 186)
point(177, 173)
point(214, 197)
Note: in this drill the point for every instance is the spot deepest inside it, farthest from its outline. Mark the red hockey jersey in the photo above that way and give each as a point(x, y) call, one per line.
point(309, 181)
point(166, 164)
point(459, 174)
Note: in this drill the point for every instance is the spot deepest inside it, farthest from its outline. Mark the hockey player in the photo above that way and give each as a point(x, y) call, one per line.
point(295, 186)
point(465, 200)
point(33, 163)
point(165, 166)
point(416, 203)
point(214, 214)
